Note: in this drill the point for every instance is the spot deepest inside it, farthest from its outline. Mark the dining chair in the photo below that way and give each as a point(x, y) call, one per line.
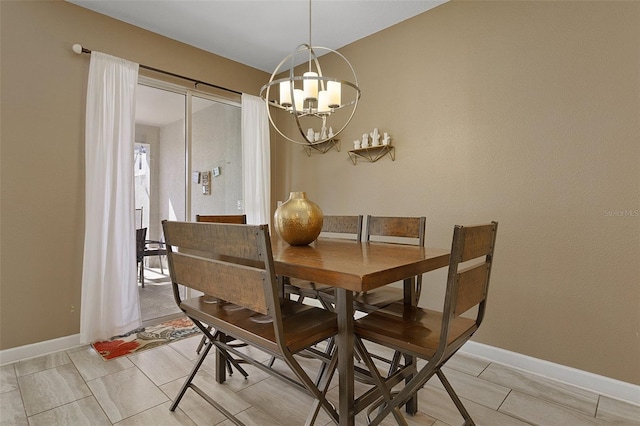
point(401, 230)
point(223, 218)
point(139, 216)
point(345, 227)
point(434, 336)
point(231, 218)
point(146, 248)
point(241, 260)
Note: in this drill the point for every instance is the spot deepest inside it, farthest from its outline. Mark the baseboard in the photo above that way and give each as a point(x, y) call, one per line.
point(600, 384)
point(19, 353)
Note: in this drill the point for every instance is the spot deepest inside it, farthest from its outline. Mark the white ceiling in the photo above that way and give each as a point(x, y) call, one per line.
point(257, 33)
point(260, 33)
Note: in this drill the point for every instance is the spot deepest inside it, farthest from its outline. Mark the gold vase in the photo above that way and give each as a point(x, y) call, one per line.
point(298, 220)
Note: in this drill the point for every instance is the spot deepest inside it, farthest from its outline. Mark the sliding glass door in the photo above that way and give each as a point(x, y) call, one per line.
point(192, 142)
point(216, 158)
point(188, 161)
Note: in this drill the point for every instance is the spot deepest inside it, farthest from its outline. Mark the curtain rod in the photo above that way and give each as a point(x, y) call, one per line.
point(77, 48)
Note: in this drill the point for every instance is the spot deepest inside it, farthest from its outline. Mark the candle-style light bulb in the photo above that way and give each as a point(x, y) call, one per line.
point(298, 97)
point(335, 93)
point(310, 86)
point(323, 102)
point(285, 94)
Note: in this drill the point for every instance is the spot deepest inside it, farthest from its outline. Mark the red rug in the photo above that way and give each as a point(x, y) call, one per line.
point(146, 338)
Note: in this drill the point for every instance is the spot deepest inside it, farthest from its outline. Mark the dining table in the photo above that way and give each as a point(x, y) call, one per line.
point(351, 267)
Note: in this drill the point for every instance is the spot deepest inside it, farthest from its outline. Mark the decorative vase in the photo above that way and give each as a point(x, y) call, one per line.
point(298, 220)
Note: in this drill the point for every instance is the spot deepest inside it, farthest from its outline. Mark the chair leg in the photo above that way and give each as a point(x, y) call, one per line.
point(229, 362)
point(327, 304)
point(380, 383)
point(271, 361)
point(194, 370)
point(142, 272)
point(407, 392)
point(188, 384)
point(322, 382)
point(323, 368)
point(395, 362)
point(202, 342)
point(454, 397)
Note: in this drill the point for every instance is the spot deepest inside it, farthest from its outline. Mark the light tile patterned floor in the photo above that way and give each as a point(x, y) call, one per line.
point(77, 387)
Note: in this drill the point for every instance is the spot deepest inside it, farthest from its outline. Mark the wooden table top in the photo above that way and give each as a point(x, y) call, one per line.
point(354, 265)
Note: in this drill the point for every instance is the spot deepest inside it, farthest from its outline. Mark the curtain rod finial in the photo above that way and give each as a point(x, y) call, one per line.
point(77, 48)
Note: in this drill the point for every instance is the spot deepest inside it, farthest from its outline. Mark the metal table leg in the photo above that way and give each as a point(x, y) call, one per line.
point(345, 340)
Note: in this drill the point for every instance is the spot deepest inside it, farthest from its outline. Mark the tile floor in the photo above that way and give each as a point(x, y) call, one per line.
point(76, 387)
point(156, 298)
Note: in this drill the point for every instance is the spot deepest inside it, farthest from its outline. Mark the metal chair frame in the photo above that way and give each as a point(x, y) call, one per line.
point(231, 218)
point(402, 230)
point(143, 250)
point(241, 260)
point(443, 333)
point(222, 218)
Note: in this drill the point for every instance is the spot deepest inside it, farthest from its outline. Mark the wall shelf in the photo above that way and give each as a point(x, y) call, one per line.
point(372, 153)
point(322, 147)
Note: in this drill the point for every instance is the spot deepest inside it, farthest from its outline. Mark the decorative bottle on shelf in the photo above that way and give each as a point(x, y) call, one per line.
point(386, 140)
point(298, 220)
point(365, 140)
point(375, 137)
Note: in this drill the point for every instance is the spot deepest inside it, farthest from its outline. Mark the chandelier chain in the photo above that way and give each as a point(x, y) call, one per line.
point(310, 52)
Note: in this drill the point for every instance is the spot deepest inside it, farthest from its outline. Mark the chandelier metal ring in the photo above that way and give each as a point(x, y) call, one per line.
point(310, 106)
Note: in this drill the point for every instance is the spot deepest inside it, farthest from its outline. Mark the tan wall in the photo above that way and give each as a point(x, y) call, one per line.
point(522, 112)
point(42, 169)
point(525, 113)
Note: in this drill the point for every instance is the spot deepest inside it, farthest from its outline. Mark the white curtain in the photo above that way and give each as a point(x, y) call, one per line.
point(256, 153)
point(110, 303)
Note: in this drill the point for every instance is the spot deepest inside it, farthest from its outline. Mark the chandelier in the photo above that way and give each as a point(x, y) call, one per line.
point(312, 98)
